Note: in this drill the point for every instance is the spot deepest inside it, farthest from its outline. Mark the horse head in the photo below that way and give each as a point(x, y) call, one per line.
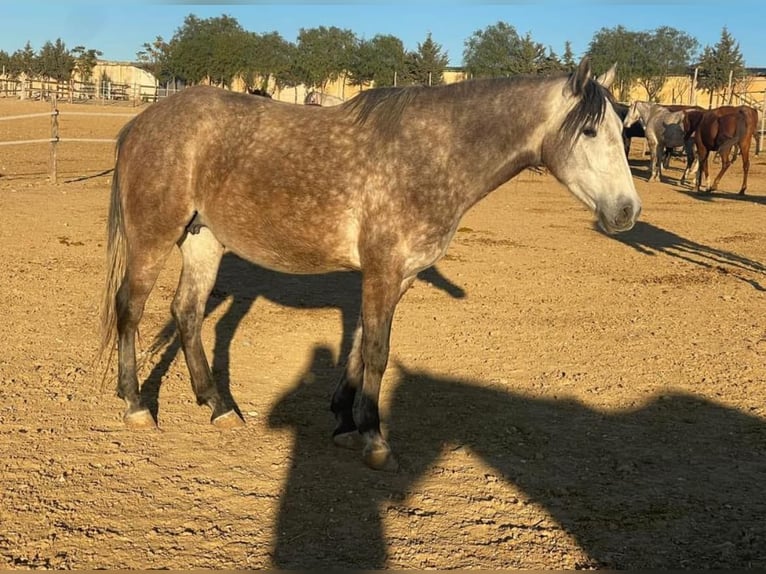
point(587, 154)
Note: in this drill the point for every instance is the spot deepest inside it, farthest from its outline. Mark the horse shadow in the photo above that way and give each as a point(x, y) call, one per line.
point(244, 283)
point(677, 482)
point(719, 195)
point(652, 240)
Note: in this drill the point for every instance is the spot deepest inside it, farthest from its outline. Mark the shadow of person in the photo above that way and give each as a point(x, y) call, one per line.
point(649, 239)
point(677, 482)
point(242, 283)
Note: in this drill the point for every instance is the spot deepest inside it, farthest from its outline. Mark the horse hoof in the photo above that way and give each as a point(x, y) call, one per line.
point(142, 419)
point(228, 420)
point(380, 458)
point(351, 440)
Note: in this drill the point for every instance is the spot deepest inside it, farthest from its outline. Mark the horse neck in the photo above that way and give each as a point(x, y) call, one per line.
point(499, 131)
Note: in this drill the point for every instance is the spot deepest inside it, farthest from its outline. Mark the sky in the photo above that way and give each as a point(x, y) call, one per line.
point(119, 29)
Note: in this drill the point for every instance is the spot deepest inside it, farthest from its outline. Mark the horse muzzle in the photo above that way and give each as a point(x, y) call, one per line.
point(622, 218)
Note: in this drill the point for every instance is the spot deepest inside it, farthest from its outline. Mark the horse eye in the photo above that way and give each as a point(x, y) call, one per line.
point(589, 132)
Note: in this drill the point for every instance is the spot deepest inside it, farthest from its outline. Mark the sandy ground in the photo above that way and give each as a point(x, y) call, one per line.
point(557, 398)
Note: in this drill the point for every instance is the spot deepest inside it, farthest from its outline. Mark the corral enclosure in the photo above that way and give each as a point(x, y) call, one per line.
point(557, 398)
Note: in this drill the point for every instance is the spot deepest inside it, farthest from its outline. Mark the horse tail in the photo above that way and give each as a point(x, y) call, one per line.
point(116, 257)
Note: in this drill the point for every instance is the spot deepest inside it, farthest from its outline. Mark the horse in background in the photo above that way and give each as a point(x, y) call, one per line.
point(637, 130)
point(259, 92)
point(664, 129)
point(316, 98)
point(720, 129)
point(628, 133)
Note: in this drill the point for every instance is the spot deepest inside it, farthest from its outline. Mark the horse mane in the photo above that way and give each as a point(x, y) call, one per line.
point(384, 107)
point(589, 110)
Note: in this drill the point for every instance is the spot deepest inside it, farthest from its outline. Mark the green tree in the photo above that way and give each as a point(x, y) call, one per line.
point(719, 62)
point(154, 57)
point(5, 62)
point(491, 52)
point(24, 61)
point(610, 45)
point(212, 50)
point(498, 50)
point(567, 59)
point(84, 61)
point(426, 65)
point(55, 62)
point(644, 58)
point(380, 61)
point(323, 55)
point(666, 51)
point(267, 56)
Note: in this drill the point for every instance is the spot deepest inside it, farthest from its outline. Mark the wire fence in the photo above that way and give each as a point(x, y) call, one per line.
point(55, 138)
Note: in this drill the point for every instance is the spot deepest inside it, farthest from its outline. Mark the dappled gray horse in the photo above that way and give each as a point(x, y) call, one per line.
point(378, 184)
point(664, 129)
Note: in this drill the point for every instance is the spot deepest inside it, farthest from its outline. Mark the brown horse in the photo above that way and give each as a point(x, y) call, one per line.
point(387, 177)
point(719, 130)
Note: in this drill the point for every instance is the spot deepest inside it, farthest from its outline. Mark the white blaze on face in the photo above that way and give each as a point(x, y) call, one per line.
point(599, 175)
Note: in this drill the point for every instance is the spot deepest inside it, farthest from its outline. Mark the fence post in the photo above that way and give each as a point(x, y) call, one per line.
point(54, 140)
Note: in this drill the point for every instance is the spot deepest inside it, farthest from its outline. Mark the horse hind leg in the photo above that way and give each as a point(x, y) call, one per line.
point(142, 268)
point(201, 253)
point(745, 152)
point(724, 152)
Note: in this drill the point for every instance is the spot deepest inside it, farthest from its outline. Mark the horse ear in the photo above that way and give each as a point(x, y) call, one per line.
point(607, 79)
point(580, 77)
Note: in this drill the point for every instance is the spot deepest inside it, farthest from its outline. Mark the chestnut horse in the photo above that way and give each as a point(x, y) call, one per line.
point(719, 130)
point(383, 193)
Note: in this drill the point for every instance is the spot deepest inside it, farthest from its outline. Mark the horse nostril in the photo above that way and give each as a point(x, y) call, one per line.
point(625, 216)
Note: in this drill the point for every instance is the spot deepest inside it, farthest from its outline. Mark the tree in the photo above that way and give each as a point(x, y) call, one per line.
point(646, 58)
point(490, 52)
point(610, 45)
point(55, 62)
point(323, 55)
point(25, 61)
point(380, 61)
point(667, 52)
point(84, 61)
point(568, 61)
point(426, 65)
point(498, 50)
point(268, 56)
point(154, 57)
point(720, 62)
point(212, 50)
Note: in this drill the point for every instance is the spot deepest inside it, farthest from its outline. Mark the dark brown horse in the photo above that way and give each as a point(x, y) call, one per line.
point(719, 130)
point(378, 184)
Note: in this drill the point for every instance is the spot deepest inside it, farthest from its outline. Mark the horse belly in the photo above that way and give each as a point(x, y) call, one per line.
point(292, 249)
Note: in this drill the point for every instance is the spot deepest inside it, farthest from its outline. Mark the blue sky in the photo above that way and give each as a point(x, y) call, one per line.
point(119, 29)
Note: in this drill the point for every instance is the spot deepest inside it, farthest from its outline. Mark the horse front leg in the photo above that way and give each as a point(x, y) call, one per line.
point(692, 163)
point(655, 162)
point(380, 294)
point(342, 404)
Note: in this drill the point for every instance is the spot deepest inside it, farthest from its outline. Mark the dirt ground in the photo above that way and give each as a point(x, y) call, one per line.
point(557, 398)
